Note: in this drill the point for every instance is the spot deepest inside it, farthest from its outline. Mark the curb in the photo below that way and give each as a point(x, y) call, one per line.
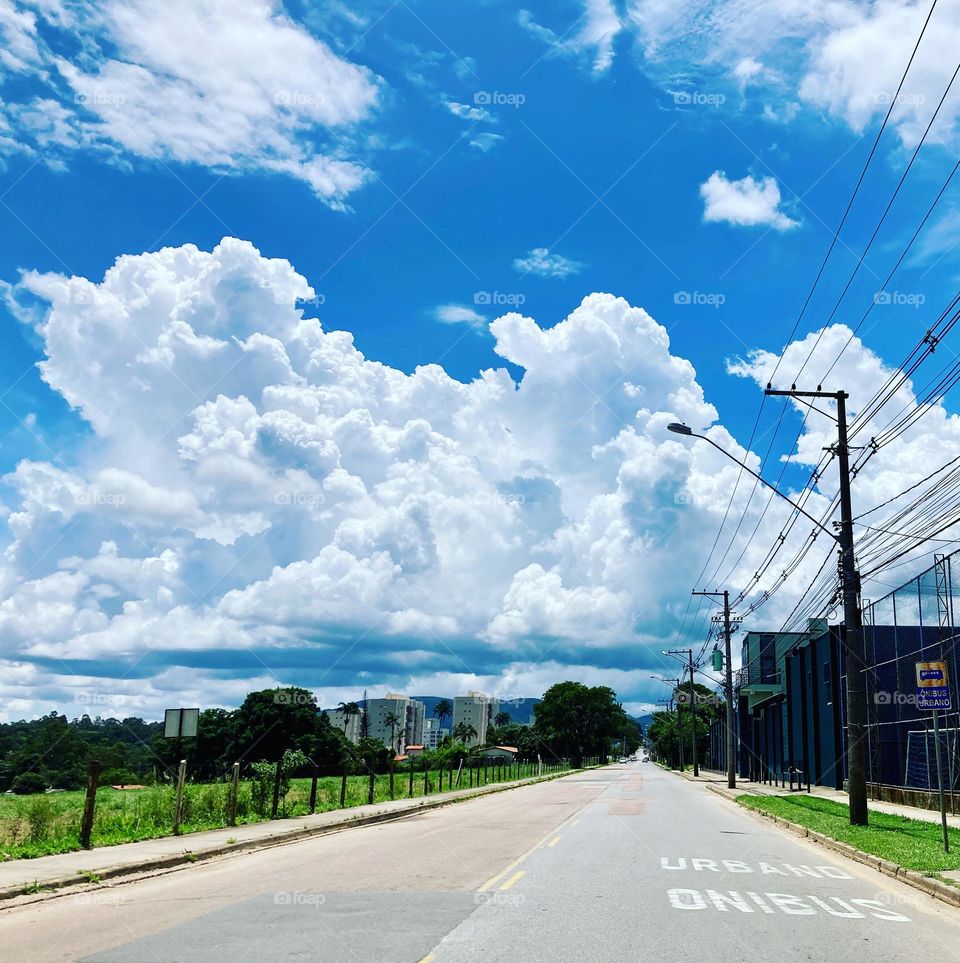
point(55, 887)
point(932, 887)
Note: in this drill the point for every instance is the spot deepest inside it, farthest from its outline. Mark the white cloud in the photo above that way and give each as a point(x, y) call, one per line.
point(745, 203)
point(599, 26)
point(260, 503)
point(486, 141)
point(466, 112)
point(458, 314)
point(839, 59)
point(541, 262)
point(176, 82)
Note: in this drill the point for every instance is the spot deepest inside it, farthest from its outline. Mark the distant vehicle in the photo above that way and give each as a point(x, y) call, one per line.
point(623, 759)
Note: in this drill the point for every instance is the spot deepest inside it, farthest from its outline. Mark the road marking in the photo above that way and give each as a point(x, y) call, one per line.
point(554, 841)
point(503, 872)
point(427, 958)
point(517, 876)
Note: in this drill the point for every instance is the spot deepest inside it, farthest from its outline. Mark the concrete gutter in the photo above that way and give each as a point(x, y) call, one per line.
point(48, 887)
point(932, 887)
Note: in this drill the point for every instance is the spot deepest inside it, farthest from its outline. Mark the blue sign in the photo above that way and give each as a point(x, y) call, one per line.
point(933, 687)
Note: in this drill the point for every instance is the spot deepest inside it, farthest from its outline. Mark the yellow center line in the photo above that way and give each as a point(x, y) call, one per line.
point(427, 958)
point(554, 841)
point(517, 876)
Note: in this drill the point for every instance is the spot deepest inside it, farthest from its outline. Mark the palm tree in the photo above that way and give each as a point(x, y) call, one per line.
point(442, 710)
point(501, 719)
point(464, 732)
point(393, 720)
point(347, 709)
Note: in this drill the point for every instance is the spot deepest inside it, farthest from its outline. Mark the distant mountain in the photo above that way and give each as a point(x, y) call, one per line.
point(644, 721)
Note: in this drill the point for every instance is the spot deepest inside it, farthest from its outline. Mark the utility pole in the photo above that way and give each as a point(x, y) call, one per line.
point(693, 707)
point(728, 689)
point(853, 626)
point(676, 685)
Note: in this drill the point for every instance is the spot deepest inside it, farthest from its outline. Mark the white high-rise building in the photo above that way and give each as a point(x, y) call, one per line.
point(433, 733)
point(354, 723)
point(409, 726)
point(475, 709)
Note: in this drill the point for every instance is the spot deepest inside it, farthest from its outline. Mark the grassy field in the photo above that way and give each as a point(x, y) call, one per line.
point(912, 843)
point(39, 825)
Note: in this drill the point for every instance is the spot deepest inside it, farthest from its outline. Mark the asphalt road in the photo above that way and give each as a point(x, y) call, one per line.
point(626, 863)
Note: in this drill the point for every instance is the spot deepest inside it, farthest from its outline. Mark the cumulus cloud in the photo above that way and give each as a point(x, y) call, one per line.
point(746, 203)
point(260, 503)
point(541, 262)
point(175, 82)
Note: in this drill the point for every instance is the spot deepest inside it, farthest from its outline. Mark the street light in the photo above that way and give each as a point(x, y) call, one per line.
point(853, 628)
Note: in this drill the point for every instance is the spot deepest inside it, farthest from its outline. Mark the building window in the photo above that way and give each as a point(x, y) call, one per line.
point(768, 660)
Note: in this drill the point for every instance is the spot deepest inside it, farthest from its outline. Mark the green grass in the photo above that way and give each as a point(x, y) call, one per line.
point(912, 843)
point(43, 824)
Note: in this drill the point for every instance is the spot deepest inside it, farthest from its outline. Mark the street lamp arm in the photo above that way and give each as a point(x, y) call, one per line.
point(760, 479)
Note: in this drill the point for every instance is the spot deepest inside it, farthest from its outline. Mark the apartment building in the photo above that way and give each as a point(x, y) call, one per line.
point(475, 709)
point(409, 713)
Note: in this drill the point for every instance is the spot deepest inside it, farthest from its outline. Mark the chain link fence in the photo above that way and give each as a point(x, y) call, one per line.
point(914, 623)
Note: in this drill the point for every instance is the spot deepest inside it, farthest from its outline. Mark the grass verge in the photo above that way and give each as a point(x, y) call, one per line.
point(45, 824)
point(912, 843)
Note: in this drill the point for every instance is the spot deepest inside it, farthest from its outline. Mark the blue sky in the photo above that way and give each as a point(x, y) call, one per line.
point(439, 166)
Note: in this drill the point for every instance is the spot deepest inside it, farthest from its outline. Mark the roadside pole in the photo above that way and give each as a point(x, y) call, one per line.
point(727, 689)
point(89, 807)
point(943, 807)
point(178, 800)
point(933, 693)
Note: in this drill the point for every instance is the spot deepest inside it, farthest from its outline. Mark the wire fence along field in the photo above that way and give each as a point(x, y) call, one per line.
point(914, 623)
point(46, 823)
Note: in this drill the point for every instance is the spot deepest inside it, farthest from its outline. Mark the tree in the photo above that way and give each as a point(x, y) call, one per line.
point(443, 710)
point(501, 719)
point(464, 732)
point(665, 731)
point(273, 720)
point(575, 720)
point(393, 720)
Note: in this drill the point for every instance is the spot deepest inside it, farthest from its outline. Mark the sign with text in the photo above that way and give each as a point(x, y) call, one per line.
point(180, 723)
point(933, 687)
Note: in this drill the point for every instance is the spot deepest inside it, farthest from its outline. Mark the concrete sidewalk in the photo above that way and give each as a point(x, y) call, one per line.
point(46, 874)
point(718, 782)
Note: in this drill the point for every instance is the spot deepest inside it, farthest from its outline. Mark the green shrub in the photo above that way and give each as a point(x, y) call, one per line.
point(28, 783)
point(41, 816)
